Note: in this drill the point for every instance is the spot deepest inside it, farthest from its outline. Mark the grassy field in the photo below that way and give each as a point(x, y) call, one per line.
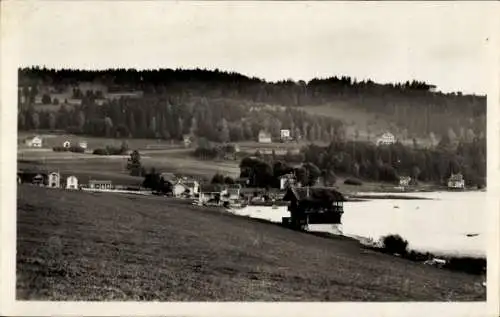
point(84, 246)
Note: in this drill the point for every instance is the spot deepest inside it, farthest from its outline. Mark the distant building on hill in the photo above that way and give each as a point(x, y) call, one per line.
point(386, 139)
point(264, 137)
point(66, 144)
point(285, 134)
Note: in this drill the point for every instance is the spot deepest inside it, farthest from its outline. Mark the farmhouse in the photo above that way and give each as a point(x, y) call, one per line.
point(72, 182)
point(34, 142)
point(100, 184)
point(54, 180)
point(192, 186)
point(264, 137)
point(456, 181)
point(314, 205)
point(386, 139)
point(66, 144)
point(212, 193)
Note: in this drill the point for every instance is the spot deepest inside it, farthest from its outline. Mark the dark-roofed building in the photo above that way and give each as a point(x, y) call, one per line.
point(314, 205)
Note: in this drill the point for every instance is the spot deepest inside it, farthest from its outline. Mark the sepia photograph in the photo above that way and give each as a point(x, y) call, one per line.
point(250, 152)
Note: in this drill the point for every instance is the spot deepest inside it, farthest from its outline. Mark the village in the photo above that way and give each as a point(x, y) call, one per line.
point(316, 200)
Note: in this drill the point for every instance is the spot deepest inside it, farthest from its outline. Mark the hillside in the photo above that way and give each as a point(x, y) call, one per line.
point(224, 106)
point(83, 246)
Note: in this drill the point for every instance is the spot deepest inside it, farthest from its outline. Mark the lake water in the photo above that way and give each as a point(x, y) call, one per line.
point(439, 226)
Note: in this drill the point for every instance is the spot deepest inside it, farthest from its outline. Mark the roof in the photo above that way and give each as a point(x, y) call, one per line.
point(211, 188)
point(313, 194)
point(168, 176)
point(100, 181)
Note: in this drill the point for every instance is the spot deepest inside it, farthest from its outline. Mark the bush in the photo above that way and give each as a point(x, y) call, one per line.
point(59, 149)
point(76, 149)
point(395, 244)
point(353, 181)
point(100, 152)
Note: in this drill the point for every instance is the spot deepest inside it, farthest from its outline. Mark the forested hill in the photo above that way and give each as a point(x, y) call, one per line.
point(230, 106)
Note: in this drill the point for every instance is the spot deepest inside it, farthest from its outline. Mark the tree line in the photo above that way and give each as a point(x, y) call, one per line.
point(414, 108)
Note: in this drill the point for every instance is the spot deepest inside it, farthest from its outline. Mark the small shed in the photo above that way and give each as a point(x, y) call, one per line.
point(72, 182)
point(54, 180)
point(313, 205)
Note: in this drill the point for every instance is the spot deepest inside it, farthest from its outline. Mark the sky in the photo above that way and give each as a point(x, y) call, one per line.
point(446, 44)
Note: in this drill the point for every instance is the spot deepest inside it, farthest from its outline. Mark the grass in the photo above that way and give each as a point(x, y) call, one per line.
point(74, 245)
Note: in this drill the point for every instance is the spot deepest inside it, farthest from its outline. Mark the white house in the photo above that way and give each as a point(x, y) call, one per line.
point(66, 144)
point(264, 137)
point(34, 142)
point(285, 134)
point(72, 182)
point(54, 180)
point(234, 191)
point(192, 186)
point(456, 181)
point(179, 189)
point(286, 180)
point(83, 144)
point(386, 139)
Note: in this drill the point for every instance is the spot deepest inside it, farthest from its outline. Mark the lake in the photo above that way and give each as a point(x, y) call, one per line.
point(439, 226)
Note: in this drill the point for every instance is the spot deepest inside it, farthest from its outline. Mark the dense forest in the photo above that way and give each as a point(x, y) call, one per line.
point(225, 106)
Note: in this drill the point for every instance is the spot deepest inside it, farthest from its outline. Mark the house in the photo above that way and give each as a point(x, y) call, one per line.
point(456, 181)
point(404, 181)
point(264, 137)
point(386, 139)
point(212, 193)
point(313, 205)
point(286, 181)
point(178, 189)
point(34, 142)
point(72, 182)
point(187, 140)
point(100, 184)
point(285, 134)
point(38, 180)
point(83, 144)
point(234, 191)
point(66, 144)
point(54, 180)
point(192, 186)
